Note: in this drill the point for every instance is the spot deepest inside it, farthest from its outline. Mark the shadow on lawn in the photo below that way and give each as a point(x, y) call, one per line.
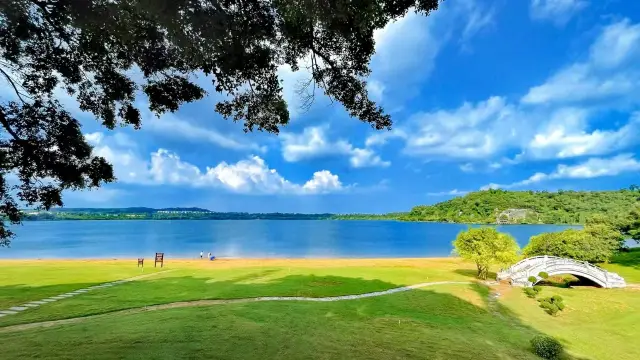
point(14, 295)
point(473, 273)
point(428, 320)
point(629, 258)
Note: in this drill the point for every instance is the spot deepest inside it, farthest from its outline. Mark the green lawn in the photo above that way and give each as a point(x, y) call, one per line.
point(440, 322)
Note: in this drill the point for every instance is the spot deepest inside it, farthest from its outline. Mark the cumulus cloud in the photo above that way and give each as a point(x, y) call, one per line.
point(251, 175)
point(591, 168)
point(609, 74)
point(565, 136)
point(557, 11)
point(554, 120)
point(470, 131)
point(313, 142)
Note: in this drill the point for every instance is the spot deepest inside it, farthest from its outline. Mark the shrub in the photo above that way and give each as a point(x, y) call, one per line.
point(546, 347)
point(532, 279)
point(556, 298)
point(549, 307)
point(552, 304)
point(530, 292)
point(543, 275)
point(537, 288)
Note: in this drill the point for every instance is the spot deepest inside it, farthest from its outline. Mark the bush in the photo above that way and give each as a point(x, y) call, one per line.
point(532, 279)
point(546, 347)
point(543, 275)
point(537, 288)
point(530, 292)
point(549, 307)
point(552, 304)
point(556, 298)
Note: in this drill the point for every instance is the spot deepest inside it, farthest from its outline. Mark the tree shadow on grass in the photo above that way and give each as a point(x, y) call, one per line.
point(473, 273)
point(493, 304)
point(424, 323)
point(629, 258)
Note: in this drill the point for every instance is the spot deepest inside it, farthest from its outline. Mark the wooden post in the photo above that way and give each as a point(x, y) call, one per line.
point(159, 259)
point(141, 262)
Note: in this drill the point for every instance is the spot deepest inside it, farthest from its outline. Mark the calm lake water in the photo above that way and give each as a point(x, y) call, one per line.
point(246, 238)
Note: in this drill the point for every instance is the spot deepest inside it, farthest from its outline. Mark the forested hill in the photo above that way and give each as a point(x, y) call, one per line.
point(562, 207)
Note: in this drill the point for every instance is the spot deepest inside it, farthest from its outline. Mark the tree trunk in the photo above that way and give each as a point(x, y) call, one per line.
point(483, 271)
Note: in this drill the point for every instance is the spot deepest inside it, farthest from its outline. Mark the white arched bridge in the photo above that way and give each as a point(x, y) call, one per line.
point(519, 273)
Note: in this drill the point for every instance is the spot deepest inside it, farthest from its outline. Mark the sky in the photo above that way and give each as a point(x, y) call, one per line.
point(518, 95)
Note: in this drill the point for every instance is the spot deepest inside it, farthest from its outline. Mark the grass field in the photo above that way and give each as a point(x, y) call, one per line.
point(454, 321)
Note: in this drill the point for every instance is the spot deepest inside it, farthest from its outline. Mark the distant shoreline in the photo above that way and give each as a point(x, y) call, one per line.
point(290, 219)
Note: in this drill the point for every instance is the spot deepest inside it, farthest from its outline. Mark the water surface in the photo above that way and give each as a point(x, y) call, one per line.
point(243, 238)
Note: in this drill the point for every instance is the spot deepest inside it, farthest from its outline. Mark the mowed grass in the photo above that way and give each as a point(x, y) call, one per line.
point(422, 324)
point(195, 280)
point(457, 321)
point(27, 280)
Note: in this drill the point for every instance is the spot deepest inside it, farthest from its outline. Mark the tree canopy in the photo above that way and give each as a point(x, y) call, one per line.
point(562, 207)
point(105, 53)
point(486, 246)
point(597, 242)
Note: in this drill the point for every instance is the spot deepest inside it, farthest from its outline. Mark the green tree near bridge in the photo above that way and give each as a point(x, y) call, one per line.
point(486, 246)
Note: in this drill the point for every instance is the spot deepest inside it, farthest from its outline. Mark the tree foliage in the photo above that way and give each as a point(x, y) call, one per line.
point(631, 224)
point(597, 242)
point(486, 246)
point(105, 53)
point(563, 207)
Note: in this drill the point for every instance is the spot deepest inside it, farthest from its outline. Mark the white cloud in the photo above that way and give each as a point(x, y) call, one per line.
point(312, 142)
point(591, 168)
point(322, 182)
point(454, 192)
point(171, 126)
point(375, 89)
point(406, 49)
point(467, 167)
point(477, 19)
point(609, 74)
point(565, 136)
point(552, 121)
point(556, 11)
point(470, 131)
point(251, 175)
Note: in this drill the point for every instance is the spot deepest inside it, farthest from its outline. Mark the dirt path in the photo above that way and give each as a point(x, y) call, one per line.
point(182, 304)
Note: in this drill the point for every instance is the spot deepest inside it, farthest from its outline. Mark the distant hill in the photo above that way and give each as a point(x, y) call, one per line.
point(172, 213)
point(531, 207)
point(128, 210)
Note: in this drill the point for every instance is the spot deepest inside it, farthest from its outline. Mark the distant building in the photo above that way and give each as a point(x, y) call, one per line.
point(511, 216)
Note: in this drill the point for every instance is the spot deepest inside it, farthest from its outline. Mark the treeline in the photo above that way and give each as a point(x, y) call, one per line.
point(562, 207)
point(389, 216)
point(168, 214)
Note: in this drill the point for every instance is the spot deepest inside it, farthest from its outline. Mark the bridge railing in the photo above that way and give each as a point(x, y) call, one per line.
point(548, 261)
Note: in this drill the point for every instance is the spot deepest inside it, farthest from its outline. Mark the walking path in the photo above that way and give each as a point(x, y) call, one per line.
point(34, 304)
point(182, 304)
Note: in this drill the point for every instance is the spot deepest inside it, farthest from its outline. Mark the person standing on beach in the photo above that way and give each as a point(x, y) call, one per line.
point(209, 256)
point(201, 254)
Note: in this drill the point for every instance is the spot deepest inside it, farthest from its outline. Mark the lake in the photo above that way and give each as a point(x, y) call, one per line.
point(242, 238)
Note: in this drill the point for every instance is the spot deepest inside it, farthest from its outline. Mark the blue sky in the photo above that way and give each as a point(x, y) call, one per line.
point(528, 94)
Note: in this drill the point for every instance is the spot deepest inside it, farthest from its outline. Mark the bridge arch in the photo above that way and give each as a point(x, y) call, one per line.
point(520, 272)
